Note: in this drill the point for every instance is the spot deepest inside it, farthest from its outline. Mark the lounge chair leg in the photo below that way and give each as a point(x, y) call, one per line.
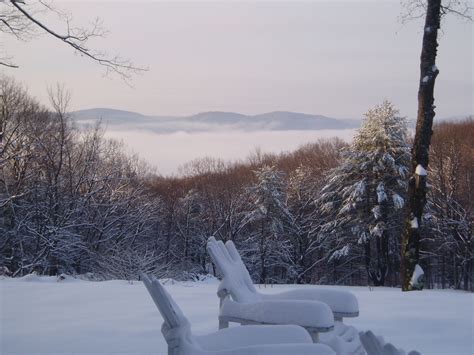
point(173, 348)
point(223, 323)
point(315, 336)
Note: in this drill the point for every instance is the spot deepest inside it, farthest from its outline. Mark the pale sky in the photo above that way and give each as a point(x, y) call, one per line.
point(336, 58)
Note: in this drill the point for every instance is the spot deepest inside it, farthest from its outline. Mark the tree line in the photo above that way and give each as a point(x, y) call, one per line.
point(71, 201)
point(327, 213)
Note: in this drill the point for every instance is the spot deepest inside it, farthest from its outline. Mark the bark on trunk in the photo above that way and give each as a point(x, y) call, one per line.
point(417, 184)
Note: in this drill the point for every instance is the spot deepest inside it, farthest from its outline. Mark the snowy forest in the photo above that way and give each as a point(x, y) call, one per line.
point(75, 202)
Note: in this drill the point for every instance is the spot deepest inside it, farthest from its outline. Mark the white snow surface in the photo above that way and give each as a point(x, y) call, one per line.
point(417, 273)
point(420, 170)
point(39, 315)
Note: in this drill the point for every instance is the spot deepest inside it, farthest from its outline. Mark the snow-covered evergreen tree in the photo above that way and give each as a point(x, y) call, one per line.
point(303, 188)
point(271, 220)
point(363, 199)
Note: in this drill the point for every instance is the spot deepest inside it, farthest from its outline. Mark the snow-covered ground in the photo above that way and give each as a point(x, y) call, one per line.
point(39, 315)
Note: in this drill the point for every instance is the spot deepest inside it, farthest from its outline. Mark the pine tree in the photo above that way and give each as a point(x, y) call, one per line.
point(270, 220)
point(303, 189)
point(363, 199)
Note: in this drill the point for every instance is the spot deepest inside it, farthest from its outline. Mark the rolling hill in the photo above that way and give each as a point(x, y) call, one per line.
point(212, 121)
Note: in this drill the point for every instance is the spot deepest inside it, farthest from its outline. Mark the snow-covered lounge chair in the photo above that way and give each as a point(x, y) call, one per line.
point(251, 340)
point(375, 345)
point(317, 310)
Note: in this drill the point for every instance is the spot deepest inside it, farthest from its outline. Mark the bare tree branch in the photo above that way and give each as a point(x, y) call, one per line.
point(3, 62)
point(464, 11)
point(22, 23)
point(416, 9)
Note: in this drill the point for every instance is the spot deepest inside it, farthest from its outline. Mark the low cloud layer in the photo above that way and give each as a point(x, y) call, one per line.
point(212, 121)
point(167, 152)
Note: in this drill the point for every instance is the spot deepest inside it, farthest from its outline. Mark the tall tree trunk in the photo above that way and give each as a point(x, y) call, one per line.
point(368, 261)
point(417, 184)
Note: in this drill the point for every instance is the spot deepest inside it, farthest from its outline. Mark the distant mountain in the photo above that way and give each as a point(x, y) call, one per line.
point(212, 121)
point(112, 116)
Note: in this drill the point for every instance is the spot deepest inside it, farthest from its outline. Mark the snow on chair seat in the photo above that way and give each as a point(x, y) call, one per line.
point(314, 316)
point(342, 304)
point(267, 339)
point(250, 340)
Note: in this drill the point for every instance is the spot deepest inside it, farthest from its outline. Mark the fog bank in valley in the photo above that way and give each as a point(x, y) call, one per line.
point(167, 152)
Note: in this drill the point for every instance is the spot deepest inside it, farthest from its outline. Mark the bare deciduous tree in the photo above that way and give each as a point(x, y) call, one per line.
point(417, 188)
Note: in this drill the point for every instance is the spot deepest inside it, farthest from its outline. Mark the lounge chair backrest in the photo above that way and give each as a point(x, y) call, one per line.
point(176, 325)
point(236, 279)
